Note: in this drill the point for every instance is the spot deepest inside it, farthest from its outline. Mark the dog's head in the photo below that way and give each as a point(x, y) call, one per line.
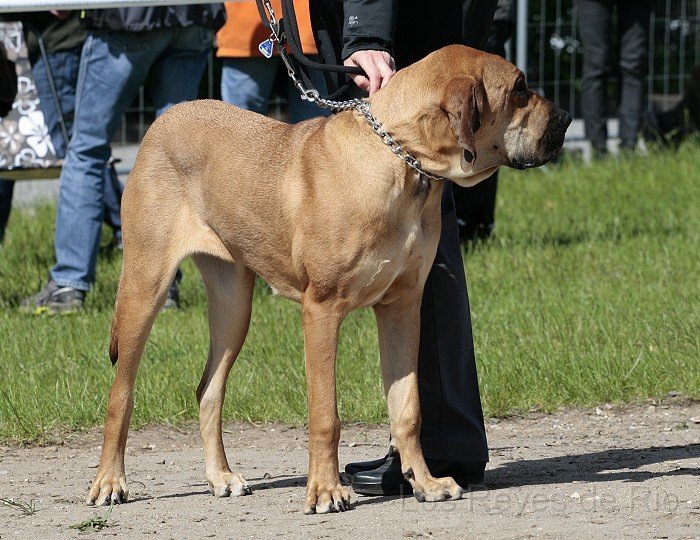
point(495, 119)
point(476, 114)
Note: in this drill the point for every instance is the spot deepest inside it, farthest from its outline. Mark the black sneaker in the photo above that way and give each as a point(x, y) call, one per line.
point(117, 242)
point(53, 300)
point(173, 300)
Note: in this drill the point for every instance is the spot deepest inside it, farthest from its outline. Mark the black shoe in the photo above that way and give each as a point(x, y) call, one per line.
point(53, 300)
point(173, 300)
point(117, 242)
point(387, 479)
point(352, 469)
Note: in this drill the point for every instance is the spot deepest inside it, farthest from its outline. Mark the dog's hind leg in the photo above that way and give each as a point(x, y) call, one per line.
point(229, 293)
point(142, 291)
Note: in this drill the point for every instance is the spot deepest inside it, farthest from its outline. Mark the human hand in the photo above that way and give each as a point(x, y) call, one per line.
point(378, 65)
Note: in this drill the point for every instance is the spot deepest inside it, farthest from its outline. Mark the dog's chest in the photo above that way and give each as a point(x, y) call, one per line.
point(394, 267)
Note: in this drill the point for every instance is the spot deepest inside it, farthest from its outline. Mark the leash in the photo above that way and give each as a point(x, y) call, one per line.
point(286, 32)
point(278, 37)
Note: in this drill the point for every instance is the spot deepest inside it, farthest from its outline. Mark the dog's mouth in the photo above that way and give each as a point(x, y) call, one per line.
point(522, 165)
point(530, 162)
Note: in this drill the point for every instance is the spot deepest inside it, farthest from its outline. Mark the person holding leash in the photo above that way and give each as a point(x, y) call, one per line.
point(476, 205)
point(381, 36)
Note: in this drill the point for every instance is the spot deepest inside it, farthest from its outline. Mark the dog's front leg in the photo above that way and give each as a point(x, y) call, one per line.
point(398, 325)
point(323, 490)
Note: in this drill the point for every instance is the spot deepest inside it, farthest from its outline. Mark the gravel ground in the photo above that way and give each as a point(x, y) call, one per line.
point(609, 472)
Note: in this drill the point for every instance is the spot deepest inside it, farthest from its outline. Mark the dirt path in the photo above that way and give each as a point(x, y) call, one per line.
point(606, 473)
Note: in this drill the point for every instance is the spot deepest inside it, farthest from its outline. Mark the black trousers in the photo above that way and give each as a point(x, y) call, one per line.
point(595, 24)
point(453, 423)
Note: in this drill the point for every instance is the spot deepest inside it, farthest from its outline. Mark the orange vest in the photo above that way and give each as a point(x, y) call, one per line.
point(243, 31)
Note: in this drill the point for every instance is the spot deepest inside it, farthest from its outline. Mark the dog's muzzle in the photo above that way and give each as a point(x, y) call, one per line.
point(550, 144)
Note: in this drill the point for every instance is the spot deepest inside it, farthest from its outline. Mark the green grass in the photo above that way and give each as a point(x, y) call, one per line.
point(94, 523)
point(588, 294)
point(25, 508)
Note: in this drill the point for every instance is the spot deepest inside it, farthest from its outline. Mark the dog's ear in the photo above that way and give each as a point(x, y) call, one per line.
point(461, 104)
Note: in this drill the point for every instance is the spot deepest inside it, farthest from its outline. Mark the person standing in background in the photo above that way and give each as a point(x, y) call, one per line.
point(595, 21)
point(169, 45)
point(247, 76)
point(63, 38)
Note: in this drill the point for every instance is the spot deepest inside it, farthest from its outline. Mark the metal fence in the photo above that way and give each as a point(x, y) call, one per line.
point(554, 59)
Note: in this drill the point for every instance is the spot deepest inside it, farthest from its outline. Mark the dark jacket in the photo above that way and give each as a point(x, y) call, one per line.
point(58, 35)
point(395, 26)
point(139, 19)
point(408, 30)
point(368, 24)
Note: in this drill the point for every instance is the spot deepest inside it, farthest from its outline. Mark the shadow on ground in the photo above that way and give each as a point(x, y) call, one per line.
point(605, 466)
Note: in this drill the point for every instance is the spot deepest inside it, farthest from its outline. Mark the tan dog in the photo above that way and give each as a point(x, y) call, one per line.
point(330, 218)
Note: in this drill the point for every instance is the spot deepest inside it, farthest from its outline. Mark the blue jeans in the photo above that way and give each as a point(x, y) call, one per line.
point(64, 69)
point(113, 66)
point(247, 83)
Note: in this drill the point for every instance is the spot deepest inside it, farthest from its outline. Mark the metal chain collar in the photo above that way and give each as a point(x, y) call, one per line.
point(360, 105)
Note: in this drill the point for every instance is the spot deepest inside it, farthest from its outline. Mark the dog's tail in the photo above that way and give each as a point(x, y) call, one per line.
point(114, 340)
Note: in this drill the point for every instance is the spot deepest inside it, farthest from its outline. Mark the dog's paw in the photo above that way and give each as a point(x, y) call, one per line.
point(437, 490)
point(227, 484)
point(323, 500)
point(108, 489)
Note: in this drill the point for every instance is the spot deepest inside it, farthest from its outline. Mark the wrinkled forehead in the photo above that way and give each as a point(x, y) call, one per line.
point(498, 73)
